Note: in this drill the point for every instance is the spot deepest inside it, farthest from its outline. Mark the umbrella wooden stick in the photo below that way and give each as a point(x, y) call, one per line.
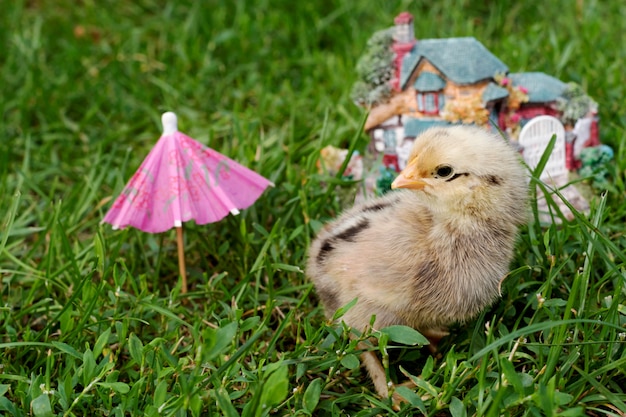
point(181, 257)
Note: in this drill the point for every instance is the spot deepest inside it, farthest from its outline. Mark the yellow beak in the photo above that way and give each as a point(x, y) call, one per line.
point(409, 178)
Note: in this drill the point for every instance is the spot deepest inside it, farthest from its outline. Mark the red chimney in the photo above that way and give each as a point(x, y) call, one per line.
point(403, 42)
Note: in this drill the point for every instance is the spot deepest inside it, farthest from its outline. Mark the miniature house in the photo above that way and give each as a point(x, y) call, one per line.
point(458, 80)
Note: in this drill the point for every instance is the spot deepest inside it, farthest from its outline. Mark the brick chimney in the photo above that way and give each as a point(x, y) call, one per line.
point(403, 42)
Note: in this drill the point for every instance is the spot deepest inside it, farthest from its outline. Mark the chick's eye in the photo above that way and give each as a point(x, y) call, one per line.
point(443, 171)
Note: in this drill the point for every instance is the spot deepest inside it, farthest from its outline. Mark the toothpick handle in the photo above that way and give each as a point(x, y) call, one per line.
point(181, 257)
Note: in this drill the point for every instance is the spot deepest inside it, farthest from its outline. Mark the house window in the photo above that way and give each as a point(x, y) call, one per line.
point(389, 138)
point(429, 103)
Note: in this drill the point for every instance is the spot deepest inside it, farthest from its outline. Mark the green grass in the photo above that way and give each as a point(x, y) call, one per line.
point(93, 321)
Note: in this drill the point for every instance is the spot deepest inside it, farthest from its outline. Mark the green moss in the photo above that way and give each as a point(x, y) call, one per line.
point(374, 69)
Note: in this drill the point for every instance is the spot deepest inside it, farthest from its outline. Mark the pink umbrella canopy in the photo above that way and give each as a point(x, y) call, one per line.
point(182, 180)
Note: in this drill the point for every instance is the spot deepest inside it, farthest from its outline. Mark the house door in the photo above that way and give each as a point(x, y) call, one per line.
point(534, 139)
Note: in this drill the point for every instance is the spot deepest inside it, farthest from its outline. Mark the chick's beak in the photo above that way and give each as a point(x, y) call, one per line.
point(409, 178)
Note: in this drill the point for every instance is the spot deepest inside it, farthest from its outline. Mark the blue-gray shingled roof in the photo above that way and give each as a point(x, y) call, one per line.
point(494, 92)
point(414, 127)
point(462, 60)
point(542, 88)
point(429, 81)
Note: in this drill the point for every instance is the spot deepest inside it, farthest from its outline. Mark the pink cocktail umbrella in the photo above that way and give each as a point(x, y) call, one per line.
point(181, 180)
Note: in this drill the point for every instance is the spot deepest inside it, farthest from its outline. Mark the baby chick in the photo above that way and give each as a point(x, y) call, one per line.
point(433, 252)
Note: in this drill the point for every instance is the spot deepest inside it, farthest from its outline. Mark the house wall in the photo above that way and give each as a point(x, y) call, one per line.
point(401, 103)
point(452, 91)
point(389, 140)
point(424, 65)
point(456, 92)
point(528, 111)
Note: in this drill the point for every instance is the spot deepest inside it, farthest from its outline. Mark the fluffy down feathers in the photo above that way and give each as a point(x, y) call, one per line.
point(433, 252)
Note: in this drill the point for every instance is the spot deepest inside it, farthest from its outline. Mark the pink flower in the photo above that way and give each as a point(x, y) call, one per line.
point(191, 144)
point(505, 81)
point(174, 158)
point(139, 179)
point(523, 89)
point(515, 118)
point(121, 200)
point(177, 185)
point(194, 193)
point(141, 200)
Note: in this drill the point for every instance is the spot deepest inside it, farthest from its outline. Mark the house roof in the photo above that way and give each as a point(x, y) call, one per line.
point(542, 88)
point(414, 127)
point(462, 60)
point(494, 92)
point(429, 81)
